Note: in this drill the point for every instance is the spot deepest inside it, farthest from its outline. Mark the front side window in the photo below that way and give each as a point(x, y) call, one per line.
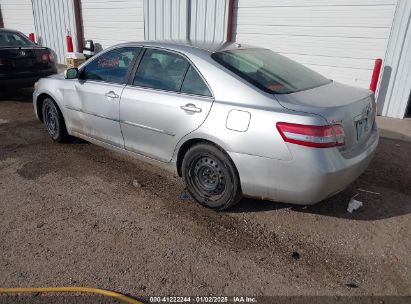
point(160, 69)
point(10, 39)
point(111, 66)
point(270, 71)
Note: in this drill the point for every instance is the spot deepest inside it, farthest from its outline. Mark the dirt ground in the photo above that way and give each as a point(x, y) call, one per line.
point(70, 216)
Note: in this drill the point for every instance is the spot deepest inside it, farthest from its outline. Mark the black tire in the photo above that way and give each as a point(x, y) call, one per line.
point(54, 121)
point(211, 177)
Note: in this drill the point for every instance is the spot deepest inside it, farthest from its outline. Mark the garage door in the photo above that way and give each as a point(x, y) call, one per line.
point(18, 15)
point(109, 22)
point(338, 38)
point(54, 20)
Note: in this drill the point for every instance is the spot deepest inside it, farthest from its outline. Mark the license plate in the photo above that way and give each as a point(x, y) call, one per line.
point(362, 127)
point(23, 63)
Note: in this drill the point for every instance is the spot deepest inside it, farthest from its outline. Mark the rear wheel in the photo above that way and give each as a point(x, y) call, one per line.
point(211, 177)
point(54, 121)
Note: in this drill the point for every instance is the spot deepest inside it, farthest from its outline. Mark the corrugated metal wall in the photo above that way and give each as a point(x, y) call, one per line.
point(108, 22)
point(53, 20)
point(197, 20)
point(338, 38)
point(395, 85)
point(208, 20)
point(166, 20)
point(17, 15)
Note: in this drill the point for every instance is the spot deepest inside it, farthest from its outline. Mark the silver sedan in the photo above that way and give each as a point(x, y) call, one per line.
point(232, 120)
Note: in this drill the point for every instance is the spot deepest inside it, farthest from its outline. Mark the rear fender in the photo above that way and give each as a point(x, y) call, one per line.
point(261, 137)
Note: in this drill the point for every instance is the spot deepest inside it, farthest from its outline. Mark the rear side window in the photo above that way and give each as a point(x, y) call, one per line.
point(194, 84)
point(270, 71)
point(111, 66)
point(13, 39)
point(160, 69)
point(169, 71)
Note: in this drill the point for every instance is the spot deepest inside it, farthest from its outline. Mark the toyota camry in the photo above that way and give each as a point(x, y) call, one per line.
point(232, 120)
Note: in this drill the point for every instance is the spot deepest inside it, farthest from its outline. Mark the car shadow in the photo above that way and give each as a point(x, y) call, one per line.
point(19, 95)
point(375, 206)
point(248, 205)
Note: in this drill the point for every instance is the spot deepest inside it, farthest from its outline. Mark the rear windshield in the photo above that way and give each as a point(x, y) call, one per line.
point(270, 71)
point(13, 39)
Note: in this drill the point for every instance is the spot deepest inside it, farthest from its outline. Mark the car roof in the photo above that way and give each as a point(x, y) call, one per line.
point(189, 46)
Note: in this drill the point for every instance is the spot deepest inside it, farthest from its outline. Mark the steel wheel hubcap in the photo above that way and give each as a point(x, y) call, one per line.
point(51, 120)
point(208, 176)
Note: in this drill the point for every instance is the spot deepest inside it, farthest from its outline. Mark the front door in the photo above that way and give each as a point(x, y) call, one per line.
point(94, 102)
point(166, 100)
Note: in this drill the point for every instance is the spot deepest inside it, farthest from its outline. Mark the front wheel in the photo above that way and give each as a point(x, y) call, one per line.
point(211, 177)
point(54, 121)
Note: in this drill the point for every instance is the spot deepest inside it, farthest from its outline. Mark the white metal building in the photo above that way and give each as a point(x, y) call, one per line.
point(17, 14)
point(109, 22)
point(338, 38)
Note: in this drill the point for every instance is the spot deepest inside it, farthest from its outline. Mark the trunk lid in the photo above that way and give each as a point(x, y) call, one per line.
point(15, 60)
point(353, 108)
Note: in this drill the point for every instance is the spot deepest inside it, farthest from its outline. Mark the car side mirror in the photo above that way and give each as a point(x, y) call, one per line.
point(88, 49)
point(71, 73)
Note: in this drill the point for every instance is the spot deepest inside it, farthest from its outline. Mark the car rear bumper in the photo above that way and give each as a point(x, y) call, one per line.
point(310, 177)
point(24, 80)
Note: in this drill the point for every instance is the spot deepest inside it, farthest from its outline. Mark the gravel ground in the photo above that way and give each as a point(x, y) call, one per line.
point(70, 215)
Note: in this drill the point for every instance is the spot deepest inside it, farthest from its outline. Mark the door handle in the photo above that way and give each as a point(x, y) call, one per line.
point(111, 94)
point(191, 108)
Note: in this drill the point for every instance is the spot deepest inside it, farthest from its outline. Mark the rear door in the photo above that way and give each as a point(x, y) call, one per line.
point(167, 99)
point(93, 104)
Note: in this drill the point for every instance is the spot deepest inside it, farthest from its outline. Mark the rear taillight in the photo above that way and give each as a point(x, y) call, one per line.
point(312, 136)
point(51, 57)
point(47, 57)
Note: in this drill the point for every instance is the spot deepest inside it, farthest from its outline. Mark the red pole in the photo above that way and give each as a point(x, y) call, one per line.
point(375, 74)
point(31, 37)
point(69, 43)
